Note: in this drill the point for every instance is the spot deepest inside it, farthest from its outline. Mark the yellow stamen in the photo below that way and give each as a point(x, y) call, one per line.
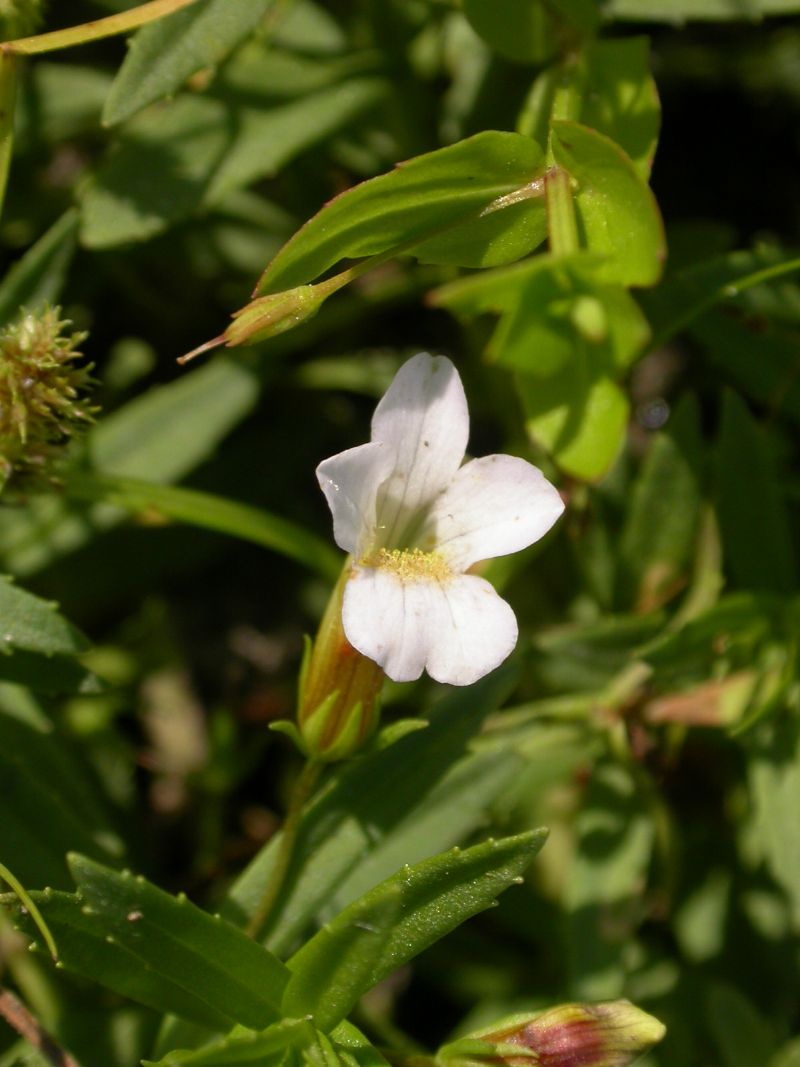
point(410, 564)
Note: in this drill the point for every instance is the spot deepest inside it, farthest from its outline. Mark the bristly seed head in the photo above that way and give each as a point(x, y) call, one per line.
point(410, 564)
point(41, 407)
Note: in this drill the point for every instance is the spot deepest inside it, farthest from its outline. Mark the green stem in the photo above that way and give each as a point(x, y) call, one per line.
point(562, 228)
point(302, 790)
point(8, 96)
point(124, 22)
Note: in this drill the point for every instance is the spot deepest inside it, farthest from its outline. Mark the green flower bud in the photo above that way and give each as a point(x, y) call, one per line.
point(339, 690)
point(610, 1034)
point(41, 407)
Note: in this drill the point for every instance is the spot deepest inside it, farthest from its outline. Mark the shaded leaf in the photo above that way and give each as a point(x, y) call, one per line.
point(38, 276)
point(204, 147)
point(749, 504)
point(164, 54)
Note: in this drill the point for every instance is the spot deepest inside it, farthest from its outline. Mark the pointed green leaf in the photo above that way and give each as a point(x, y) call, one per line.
point(617, 212)
point(397, 920)
point(417, 200)
point(87, 948)
point(164, 54)
point(202, 953)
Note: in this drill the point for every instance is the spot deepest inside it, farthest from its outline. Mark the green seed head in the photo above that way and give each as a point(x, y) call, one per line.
point(41, 406)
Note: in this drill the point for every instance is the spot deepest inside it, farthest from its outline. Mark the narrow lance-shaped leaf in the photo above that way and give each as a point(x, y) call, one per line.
point(164, 54)
point(417, 200)
point(397, 920)
point(205, 955)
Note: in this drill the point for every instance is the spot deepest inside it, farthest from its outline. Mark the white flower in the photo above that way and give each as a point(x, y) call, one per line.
point(415, 520)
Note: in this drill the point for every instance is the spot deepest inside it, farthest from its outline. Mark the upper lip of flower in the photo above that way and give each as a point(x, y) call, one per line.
point(407, 493)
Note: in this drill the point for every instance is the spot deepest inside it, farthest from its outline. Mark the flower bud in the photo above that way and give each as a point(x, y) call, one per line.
point(274, 314)
point(40, 403)
point(610, 1034)
point(339, 689)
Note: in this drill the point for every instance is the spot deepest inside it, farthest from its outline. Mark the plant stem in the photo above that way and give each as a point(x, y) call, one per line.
point(20, 1019)
point(303, 787)
point(561, 226)
point(124, 22)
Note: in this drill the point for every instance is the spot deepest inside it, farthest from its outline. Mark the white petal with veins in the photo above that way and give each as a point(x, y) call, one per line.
point(493, 506)
point(350, 482)
point(458, 630)
point(423, 419)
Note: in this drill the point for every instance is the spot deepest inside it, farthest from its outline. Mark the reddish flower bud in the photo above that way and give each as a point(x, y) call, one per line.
point(610, 1034)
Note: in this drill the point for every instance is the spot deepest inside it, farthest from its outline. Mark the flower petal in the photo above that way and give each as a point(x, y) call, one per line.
point(423, 418)
point(493, 506)
point(459, 630)
point(350, 481)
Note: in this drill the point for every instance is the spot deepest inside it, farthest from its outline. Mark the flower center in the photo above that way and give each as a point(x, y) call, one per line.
point(409, 564)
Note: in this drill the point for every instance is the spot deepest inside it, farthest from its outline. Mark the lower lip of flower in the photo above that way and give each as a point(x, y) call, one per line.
point(409, 564)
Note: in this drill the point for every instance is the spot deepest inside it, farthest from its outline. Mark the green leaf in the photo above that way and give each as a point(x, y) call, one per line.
point(617, 212)
point(757, 543)
point(611, 90)
point(579, 415)
point(164, 54)
point(421, 795)
point(662, 520)
point(37, 645)
point(28, 622)
point(204, 147)
point(171, 938)
point(552, 307)
point(213, 513)
point(528, 29)
point(417, 200)
point(87, 948)
point(604, 882)
point(38, 276)
point(396, 921)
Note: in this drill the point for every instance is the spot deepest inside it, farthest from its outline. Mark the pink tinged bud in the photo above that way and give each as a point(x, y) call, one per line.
point(610, 1034)
point(270, 315)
